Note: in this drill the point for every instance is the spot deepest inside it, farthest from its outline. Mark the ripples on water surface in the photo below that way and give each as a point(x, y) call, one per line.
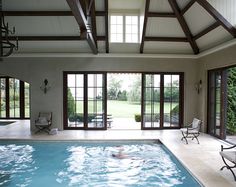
point(58, 164)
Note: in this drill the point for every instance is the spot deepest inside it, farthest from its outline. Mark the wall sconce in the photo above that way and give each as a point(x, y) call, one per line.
point(45, 87)
point(198, 86)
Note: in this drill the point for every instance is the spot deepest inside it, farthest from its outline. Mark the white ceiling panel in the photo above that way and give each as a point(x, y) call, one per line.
point(99, 5)
point(226, 8)
point(100, 24)
point(54, 47)
point(198, 18)
point(124, 48)
point(160, 6)
point(213, 38)
point(44, 26)
point(166, 27)
point(182, 3)
point(35, 5)
point(167, 48)
point(125, 4)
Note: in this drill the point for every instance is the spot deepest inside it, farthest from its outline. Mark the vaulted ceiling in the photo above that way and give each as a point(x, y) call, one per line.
point(81, 26)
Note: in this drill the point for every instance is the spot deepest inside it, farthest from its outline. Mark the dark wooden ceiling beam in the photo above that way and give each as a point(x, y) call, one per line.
point(100, 13)
point(187, 7)
point(37, 13)
point(93, 21)
point(106, 26)
point(161, 14)
point(184, 26)
point(144, 25)
point(77, 8)
point(45, 13)
point(218, 17)
point(207, 30)
point(165, 39)
point(45, 38)
point(52, 38)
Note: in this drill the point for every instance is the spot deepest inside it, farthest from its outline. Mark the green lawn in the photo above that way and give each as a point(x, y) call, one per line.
point(123, 109)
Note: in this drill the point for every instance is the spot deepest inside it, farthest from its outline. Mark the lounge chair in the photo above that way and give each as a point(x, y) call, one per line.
point(230, 156)
point(43, 122)
point(192, 130)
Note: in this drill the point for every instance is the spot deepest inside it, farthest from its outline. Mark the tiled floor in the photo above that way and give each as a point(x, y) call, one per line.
point(203, 159)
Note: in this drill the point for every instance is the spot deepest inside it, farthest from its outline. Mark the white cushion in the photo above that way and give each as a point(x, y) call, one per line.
point(42, 120)
point(195, 122)
point(229, 155)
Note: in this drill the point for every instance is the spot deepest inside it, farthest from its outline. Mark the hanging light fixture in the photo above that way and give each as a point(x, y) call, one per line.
point(7, 46)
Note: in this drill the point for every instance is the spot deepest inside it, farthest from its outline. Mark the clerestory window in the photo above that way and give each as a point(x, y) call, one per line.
point(124, 28)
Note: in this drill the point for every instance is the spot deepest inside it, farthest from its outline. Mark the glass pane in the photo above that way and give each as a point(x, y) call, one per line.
point(167, 80)
point(175, 95)
point(119, 38)
point(3, 98)
point(79, 80)
point(135, 20)
point(128, 38)
point(14, 93)
point(119, 29)
point(128, 29)
point(119, 20)
point(175, 80)
point(71, 80)
point(113, 20)
point(79, 94)
point(27, 100)
point(128, 20)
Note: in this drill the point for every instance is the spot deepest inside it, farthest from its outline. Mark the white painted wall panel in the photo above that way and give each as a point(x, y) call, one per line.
point(44, 26)
point(198, 19)
point(227, 8)
point(182, 3)
point(35, 5)
point(54, 47)
point(166, 27)
point(213, 38)
point(160, 6)
point(167, 48)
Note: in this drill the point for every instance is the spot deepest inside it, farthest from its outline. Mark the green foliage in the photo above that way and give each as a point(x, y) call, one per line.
point(80, 117)
point(134, 95)
point(231, 101)
point(175, 110)
point(137, 117)
point(114, 86)
point(70, 103)
point(122, 96)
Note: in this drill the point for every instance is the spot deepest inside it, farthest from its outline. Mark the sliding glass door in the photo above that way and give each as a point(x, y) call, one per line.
point(217, 102)
point(84, 101)
point(162, 100)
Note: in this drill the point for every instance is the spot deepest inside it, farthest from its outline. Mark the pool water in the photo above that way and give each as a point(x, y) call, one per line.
point(55, 164)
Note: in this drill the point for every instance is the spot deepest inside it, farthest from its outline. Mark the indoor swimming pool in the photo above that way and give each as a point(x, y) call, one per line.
point(90, 163)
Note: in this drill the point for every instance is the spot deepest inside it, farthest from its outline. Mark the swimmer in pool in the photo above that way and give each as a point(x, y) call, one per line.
point(120, 154)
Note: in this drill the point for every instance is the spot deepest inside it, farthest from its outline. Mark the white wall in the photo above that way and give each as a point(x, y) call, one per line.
point(35, 70)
